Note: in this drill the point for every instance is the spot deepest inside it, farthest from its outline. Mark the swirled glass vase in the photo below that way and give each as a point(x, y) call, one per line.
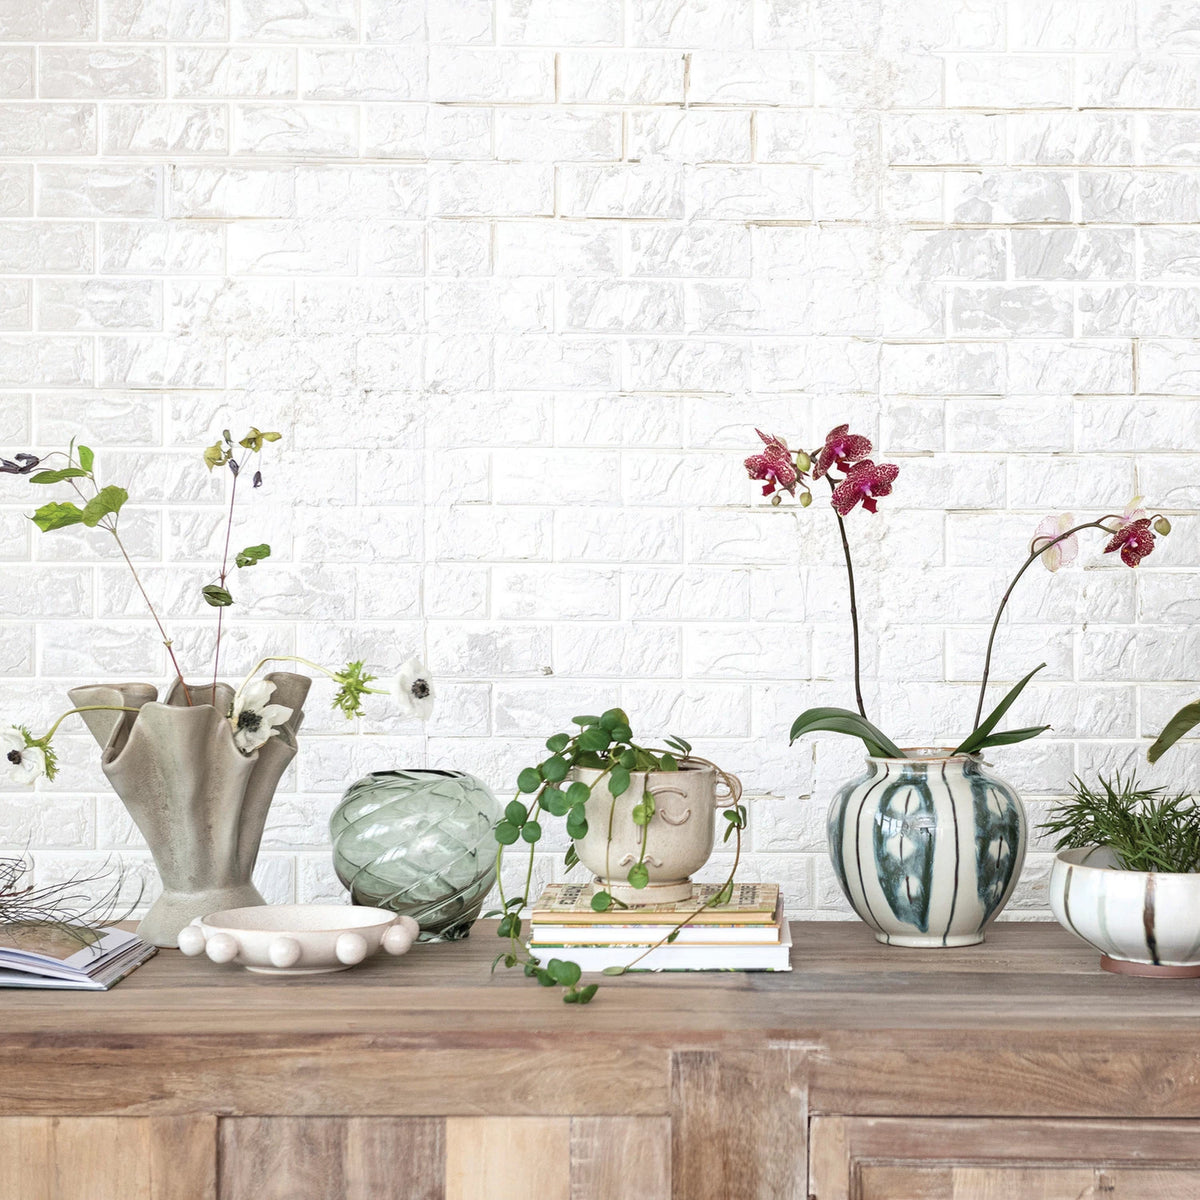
point(420, 843)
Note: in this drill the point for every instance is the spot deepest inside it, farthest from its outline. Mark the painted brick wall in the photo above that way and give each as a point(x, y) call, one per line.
point(517, 279)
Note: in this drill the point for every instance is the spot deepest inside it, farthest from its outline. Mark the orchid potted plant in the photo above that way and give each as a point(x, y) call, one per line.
point(928, 844)
point(198, 769)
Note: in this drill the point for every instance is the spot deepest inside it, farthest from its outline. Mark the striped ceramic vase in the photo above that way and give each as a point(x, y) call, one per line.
point(927, 849)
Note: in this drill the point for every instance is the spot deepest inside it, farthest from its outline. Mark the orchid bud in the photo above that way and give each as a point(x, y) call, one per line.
point(776, 500)
point(805, 499)
point(1162, 525)
point(803, 462)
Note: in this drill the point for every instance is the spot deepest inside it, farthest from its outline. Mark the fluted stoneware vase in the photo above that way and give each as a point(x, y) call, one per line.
point(927, 849)
point(200, 803)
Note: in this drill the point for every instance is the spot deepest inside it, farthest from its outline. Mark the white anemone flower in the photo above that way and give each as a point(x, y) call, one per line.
point(413, 690)
point(24, 764)
point(254, 718)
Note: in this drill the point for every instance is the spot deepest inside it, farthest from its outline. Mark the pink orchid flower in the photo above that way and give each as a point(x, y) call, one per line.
point(774, 465)
point(842, 449)
point(864, 483)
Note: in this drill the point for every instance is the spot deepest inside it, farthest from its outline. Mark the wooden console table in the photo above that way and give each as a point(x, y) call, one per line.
point(1013, 1069)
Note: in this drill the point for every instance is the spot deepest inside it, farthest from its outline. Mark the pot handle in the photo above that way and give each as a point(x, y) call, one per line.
point(731, 783)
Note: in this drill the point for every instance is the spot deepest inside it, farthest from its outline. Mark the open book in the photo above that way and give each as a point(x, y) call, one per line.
point(34, 955)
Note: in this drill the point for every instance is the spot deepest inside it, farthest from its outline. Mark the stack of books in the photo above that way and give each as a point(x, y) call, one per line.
point(747, 934)
point(46, 955)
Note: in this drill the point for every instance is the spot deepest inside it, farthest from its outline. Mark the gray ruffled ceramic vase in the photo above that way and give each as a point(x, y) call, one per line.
point(200, 803)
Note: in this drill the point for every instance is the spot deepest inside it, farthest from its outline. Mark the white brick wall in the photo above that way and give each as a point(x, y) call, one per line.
point(517, 278)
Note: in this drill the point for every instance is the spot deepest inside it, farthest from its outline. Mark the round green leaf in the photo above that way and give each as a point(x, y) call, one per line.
point(558, 743)
point(638, 875)
point(601, 902)
point(627, 759)
point(531, 831)
point(618, 781)
point(529, 780)
point(578, 793)
point(555, 769)
point(593, 738)
point(585, 720)
point(614, 717)
point(668, 762)
point(565, 973)
point(621, 733)
point(555, 802)
point(577, 825)
point(507, 833)
point(516, 813)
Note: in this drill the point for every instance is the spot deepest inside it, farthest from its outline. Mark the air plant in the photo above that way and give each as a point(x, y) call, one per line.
point(70, 906)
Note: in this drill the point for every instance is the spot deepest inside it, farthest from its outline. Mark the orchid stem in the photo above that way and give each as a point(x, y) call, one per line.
point(853, 610)
point(1033, 556)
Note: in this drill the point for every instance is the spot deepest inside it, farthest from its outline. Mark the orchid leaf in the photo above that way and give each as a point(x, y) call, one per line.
point(1007, 737)
point(59, 475)
point(1185, 720)
point(843, 720)
point(978, 737)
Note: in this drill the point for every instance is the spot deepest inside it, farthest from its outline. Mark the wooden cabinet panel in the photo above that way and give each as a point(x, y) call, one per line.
point(508, 1158)
point(332, 1158)
point(739, 1124)
point(862, 1158)
point(108, 1158)
point(614, 1158)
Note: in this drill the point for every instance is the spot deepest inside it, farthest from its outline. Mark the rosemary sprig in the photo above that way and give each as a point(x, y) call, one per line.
point(1144, 829)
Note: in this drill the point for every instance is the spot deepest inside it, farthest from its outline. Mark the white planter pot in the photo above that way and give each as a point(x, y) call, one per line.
point(1142, 922)
point(679, 837)
point(927, 849)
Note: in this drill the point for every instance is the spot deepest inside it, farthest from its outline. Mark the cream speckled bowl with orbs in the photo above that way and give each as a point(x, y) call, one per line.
point(1142, 922)
point(297, 939)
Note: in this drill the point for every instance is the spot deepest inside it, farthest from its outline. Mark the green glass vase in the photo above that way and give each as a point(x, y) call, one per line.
point(420, 843)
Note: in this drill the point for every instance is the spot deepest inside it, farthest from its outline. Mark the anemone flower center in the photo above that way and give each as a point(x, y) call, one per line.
point(420, 689)
point(249, 719)
point(14, 757)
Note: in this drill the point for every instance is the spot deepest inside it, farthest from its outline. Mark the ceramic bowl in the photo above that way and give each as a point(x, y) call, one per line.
point(1142, 922)
point(297, 939)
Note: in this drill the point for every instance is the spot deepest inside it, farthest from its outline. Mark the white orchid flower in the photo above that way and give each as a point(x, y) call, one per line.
point(254, 718)
point(413, 690)
point(1060, 554)
point(24, 764)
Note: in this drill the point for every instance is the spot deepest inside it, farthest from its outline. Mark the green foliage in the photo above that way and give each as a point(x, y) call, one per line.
point(107, 501)
point(216, 596)
point(353, 682)
point(983, 737)
point(252, 555)
point(1145, 830)
point(604, 744)
point(1184, 721)
point(59, 475)
point(254, 439)
point(58, 514)
point(842, 720)
point(87, 460)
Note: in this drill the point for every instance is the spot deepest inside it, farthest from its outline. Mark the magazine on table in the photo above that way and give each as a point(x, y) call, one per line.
point(43, 955)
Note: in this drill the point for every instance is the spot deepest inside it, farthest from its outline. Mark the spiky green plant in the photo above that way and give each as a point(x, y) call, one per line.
point(1144, 829)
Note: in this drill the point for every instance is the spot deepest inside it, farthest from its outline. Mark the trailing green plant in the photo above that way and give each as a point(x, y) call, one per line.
point(1144, 829)
point(546, 789)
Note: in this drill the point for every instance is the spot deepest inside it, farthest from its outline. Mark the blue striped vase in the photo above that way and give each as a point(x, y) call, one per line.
point(927, 849)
